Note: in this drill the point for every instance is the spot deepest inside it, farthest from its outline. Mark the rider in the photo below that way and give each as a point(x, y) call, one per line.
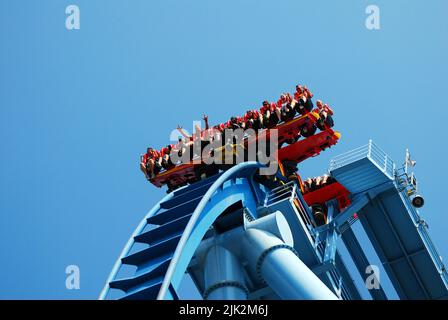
point(234, 123)
point(165, 152)
point(327, 179)
point(271, 114)
point(287, 111)
point(318, 182)
point(302, 99)
point(307, 184)
point(148, 163)
point(325, 115)
point(253, 120)
point(189, 141)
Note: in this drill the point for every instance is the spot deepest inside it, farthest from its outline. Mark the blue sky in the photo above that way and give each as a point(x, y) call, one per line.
point(78, 107)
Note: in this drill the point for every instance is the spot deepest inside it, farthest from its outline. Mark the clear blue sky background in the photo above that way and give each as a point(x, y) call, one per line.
point(78, 107)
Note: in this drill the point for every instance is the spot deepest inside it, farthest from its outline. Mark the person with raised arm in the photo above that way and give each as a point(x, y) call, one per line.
point(284, 104)
point(253, 120)
point(271, 114)
point(325, 115)
point(302, 99)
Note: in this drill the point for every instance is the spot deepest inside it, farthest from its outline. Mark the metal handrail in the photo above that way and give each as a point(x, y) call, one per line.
point(370, 151)
point(308, 220)
point(288, 191)
point(426, 238)
point(281, 196)
point(291, 187)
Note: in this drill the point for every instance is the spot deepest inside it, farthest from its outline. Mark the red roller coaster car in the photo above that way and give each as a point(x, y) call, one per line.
point(287, 132)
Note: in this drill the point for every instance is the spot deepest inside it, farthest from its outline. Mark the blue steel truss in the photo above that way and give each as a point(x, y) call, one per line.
point(395, 228)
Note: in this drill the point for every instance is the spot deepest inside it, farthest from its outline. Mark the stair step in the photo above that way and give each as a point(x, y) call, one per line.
point(127, 284)
point(200, 184)
point(156, 251)
point(149, 292)
point(174, 213)
point(186, 196)
point(164, 231)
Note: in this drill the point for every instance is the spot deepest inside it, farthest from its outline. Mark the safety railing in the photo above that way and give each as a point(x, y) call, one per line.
point(280, 193)
point(405, 187)
point(305, 213)
point(370, 151)
point(290, 191)
point(422, 227)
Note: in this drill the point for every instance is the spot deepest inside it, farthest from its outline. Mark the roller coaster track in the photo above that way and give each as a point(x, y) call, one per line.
point(173, 229)
point(167, 242)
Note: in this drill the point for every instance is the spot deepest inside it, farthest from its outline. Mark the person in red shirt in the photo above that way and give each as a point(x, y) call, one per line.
point(221, 127)
point(234, 123)
point(271, 114)
point(287, 111)
point(148, 163)
point(253, 120)
point(241, 122)
point(302, 99)
point(143, 163)
point(284, 99)
point(265, 111)
point(165, 157)
point(325, 115)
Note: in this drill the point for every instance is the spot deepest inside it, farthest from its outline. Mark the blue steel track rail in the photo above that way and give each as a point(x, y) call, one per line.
point(176, 226)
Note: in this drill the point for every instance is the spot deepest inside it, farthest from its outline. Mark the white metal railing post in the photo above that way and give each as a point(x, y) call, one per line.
point(385, 163)
point(370, 151)
point(294, 189)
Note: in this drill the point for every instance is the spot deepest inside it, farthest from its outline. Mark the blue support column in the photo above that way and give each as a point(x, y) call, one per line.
point(223, 276)
point(332, 237)
point(361, 262)
point(280, 267)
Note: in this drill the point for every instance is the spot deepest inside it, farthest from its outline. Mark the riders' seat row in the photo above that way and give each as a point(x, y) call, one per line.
point(293, 117)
